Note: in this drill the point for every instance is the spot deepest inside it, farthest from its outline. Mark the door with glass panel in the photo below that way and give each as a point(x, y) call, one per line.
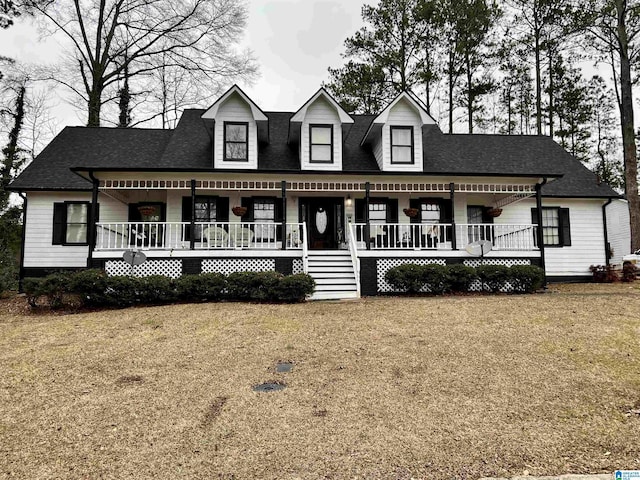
point(146, 227)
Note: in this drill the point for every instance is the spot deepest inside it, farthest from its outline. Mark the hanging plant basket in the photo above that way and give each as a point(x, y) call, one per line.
point(239, 211)
point(494, 212)
point(147, 210)
point(411, 212)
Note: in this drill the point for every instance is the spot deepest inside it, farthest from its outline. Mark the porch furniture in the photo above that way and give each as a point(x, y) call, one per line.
point(241, 237)
point(216, 236)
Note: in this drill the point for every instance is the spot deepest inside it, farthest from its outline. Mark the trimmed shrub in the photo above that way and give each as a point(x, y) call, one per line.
point(122, 291)
point(33, 290)
point(407, 277)
point(206, 287)
point(240, 285)
point(266, 286)
point(526, 278)
point(156, 290)
point(295, 288)
point(435, 278)
point(493, 277)
point(54, 287)
point(461, 277)
point(90, 286)
point(629, 272)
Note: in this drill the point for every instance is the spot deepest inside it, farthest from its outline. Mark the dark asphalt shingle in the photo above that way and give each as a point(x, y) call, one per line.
point(188, 147)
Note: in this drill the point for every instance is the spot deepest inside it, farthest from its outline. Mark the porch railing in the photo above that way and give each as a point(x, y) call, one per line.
point(439, 236)
point(206, 235)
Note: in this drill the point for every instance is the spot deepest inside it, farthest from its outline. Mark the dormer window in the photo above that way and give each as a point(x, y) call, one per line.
point(236, 141)
point(402, 145)
point(321, 144)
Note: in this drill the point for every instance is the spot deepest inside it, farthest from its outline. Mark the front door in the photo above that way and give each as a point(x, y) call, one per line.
point(325, 221)
point(146, 229)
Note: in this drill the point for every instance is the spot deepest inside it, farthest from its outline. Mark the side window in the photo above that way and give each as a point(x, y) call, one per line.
point(556, 228)
point(70, 223)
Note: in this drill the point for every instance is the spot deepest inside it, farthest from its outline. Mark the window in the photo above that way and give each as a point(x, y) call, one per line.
point(206, 212)
point(401, 144)
point(208, 209)
point(321, 140)
point(264, 212)
point(70, 223)
point(236, 141)
point(430, 211)
point(556, 228)
point(377, 212)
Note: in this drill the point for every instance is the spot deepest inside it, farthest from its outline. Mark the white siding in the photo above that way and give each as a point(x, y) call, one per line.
point(39, 250)
point(587, 234)
point(619, 230)
point(402, 114)
point(377, 152)
point(235, 109)
point(321, 112)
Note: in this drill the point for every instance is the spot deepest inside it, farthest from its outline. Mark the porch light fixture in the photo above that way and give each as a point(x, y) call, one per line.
point(349, 201)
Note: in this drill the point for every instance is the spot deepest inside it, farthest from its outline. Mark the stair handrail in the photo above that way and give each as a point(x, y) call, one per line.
point(305, 249)
point(355, 260)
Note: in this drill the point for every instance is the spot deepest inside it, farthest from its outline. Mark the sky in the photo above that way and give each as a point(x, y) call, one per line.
point(294, 41)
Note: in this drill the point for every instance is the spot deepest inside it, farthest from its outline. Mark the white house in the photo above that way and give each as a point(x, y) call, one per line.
point(342, 197)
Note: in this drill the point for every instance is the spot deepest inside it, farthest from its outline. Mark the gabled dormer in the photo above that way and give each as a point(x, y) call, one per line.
point(238, 124)
point(395, 135)
point(319, 128)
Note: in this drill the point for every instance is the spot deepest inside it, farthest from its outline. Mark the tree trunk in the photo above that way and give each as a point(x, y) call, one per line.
point(10, 152)
point(93, 108)
point(538, 85)
point(450, 94)
point(550, 53)
point(469, 92)
point(628, 138)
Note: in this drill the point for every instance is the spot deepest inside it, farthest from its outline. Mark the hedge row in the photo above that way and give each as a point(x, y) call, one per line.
point(93, 288)
point(439, 279)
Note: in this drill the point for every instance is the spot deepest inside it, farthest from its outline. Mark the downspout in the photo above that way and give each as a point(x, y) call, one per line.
point(23, 241)
point(92, 219)
point(192, 236)
point(540, 232)
point(452, 196)
point(367, 227)
point(607, 249)
point(284, 215)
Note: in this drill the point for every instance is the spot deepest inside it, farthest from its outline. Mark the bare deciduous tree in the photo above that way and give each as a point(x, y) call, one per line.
point(108, 36)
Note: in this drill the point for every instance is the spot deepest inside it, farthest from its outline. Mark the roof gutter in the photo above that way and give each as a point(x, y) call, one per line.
point(540, 232)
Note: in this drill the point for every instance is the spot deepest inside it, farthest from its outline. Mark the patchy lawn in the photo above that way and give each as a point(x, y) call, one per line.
point(381, 388)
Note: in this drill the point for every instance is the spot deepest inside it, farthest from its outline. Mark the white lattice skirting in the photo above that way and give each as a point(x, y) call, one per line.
point(476, 286)
point(168, 268)
point(231, 265)
point(384, 264)
point(298, 266)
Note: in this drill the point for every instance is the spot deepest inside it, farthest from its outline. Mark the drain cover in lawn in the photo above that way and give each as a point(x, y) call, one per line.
point(284, 367)
point(268, 387)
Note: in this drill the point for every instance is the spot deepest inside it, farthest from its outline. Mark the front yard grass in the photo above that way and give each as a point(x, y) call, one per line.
point(438, 388)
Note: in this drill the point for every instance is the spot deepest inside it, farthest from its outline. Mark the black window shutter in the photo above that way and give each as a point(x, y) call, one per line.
point(134, 213)
point(222, 209)
point(417, 204)
point(359, 210)
point(59, 223)
point(446, 210)
point(248, 203)
point(277, 210)
point(486, 218)
point(565, 227)
point(392, 210)
point(534, 216)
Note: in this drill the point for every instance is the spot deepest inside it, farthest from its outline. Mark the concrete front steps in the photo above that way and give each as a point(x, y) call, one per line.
point(333, 273)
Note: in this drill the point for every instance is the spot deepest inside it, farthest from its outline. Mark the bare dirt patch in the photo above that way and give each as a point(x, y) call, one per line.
point(438, 388)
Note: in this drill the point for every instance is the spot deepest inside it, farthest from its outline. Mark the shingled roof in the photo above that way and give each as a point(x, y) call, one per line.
point(188, 148)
